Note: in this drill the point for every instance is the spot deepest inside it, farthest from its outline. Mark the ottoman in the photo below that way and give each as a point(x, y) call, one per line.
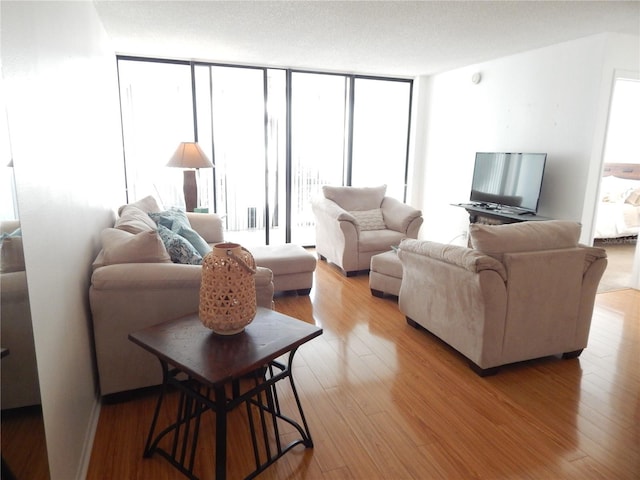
point(385, 275)
point(292, 266)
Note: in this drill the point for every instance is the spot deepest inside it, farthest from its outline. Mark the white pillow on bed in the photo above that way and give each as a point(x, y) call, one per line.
point(616, 189)
point(634, 198)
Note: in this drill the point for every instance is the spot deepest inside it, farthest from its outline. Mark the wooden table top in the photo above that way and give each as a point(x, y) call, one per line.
point(216, 359)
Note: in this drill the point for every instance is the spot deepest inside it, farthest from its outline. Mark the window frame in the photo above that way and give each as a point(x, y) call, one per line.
point(350, 100)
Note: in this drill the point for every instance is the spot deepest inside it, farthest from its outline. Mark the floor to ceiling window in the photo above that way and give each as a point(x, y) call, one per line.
point(275, 136)
point(241, 123)
point(318, 144)
point(157, 114)
point(380, 127)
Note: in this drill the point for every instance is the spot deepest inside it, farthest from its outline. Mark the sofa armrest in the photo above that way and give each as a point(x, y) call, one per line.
point(401, 217)
point(331, 210)
point(336, 233)
point(208, 225)
point(129, 278)
point(592, 255)
point(462, 257)
point(146, 276)
point(595, 263)
point(264, 287)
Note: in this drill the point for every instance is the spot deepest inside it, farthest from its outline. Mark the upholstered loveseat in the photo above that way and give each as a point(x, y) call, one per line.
point(353, 224)
point(523, 291)
point(137, 283)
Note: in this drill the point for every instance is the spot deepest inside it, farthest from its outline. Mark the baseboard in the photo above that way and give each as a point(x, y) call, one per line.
point(85, 459)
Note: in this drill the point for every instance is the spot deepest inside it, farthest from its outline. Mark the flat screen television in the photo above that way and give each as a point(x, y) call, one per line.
point(508, 181)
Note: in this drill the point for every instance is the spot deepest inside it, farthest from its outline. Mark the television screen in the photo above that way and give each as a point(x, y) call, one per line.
point(508, 180)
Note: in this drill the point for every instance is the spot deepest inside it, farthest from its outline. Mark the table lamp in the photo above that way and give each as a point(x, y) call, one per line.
point(190, 156)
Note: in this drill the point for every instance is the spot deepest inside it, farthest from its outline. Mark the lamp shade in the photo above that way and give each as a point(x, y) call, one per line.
point(189, 155)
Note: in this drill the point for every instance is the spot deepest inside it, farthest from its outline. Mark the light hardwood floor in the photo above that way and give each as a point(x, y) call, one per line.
point(386, 401)
point(620, 258)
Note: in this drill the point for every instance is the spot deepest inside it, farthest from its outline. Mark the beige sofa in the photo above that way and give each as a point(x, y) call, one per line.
point(523, 291)
point(353, 224)
point(19, 374)
point(135, 285)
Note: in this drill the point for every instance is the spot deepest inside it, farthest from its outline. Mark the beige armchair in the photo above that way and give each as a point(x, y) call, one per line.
point(353, 224)
point(524, 291)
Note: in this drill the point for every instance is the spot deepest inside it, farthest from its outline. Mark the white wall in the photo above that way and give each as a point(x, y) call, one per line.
point(60, 87)
point(552, 100)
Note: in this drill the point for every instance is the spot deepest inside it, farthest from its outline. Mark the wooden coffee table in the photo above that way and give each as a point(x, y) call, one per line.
point(214, 366)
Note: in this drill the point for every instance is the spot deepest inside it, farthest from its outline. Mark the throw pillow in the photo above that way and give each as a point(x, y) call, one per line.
point(179, 248)
point(146, 204)
point(120, 246)
point(495, 240)
point(134, 220)
point(634, 198)
point(369, 219)
point(356, 198)
point(195, 239)
point(173, 219)
point(16, 233)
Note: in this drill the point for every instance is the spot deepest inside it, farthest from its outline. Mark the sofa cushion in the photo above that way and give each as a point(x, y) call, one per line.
point(356, 198)
point(378, 241)
point(120, 246)
point(134, 220)
point(369, 219)
point(208, 226)
point(495, 240)
point(146, 204)
point(179, 248)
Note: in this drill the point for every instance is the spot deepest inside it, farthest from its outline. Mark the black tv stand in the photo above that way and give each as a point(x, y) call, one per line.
point(495, 214)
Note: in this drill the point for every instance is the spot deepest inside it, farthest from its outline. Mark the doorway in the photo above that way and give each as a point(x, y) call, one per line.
point(616, 230)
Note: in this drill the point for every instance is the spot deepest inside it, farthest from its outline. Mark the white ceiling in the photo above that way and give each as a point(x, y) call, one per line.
point(399, 38)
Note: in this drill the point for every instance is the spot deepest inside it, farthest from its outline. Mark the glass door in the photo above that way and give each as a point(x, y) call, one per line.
point(381, 134)
point(319, 127)
point(241, 123)
point(231, 124)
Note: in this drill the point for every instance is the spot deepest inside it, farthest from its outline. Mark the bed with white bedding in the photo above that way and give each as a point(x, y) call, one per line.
point(618, 213)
